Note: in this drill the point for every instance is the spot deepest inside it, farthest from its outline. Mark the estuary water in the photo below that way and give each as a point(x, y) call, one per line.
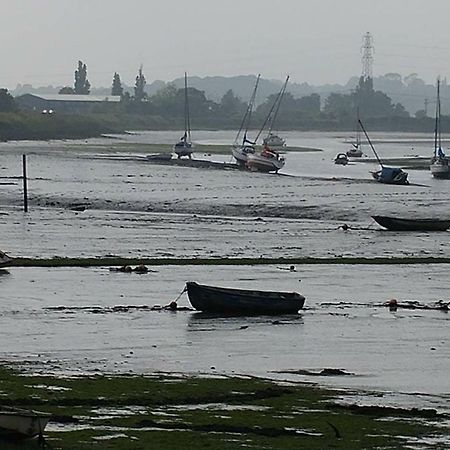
point(75, 320)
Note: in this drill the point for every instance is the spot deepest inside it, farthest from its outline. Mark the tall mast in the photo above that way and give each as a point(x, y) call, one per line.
point(246, 119)
point(370, 143)
point(187, 120)
point(273, 110)
point(280, 97)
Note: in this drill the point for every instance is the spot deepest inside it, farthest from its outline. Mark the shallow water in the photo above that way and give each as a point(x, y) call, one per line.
point(136, 209)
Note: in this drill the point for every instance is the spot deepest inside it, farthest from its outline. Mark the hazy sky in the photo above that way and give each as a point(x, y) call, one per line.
point(314, 41)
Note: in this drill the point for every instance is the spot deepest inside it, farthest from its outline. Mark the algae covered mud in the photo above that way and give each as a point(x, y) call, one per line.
point(170, 411)
point(101, 200)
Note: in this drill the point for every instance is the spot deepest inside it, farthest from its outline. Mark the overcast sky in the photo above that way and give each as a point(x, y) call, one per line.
point(317, 41)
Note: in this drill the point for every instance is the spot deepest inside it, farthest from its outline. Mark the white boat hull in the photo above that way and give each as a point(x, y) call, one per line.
point(241, 154)
point(183, 150)
point(23, 423)
point(440, 170)
point(261, 163)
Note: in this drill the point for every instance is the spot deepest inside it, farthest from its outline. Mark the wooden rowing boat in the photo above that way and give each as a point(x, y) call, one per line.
point(401, 224)
point(222, 300)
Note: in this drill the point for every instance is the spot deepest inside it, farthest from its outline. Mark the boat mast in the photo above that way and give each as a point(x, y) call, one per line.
point(275, 114)
point(437, 124)
point(187, 121)
point(370, 143)
point(272, 115)
point(248, 113)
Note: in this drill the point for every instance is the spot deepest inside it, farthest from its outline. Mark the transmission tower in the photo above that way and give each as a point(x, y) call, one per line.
point(367, 51)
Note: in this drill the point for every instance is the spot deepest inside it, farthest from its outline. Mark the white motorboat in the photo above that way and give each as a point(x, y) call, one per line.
point(439, 166)
point(184, 147)
point(22, 422)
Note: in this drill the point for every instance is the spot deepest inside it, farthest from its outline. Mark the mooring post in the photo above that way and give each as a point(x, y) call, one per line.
point(24, 177)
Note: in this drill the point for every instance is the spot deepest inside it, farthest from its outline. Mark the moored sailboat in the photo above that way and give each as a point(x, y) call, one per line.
point(386, 175)
point(184, 147)
point(268, 159)
point(439, 166)
point(241, 150)
point(355, 151)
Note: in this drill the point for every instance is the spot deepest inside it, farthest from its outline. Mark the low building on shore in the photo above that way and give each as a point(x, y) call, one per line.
point(66, 103)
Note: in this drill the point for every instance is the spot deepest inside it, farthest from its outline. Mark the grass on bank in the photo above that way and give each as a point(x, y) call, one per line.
point(194, 412)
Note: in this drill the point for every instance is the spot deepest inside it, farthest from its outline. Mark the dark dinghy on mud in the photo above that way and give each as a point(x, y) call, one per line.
point(228, 301)
point(400, 224)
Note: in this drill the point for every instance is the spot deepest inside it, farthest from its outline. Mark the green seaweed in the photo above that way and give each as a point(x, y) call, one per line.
point(164, 411)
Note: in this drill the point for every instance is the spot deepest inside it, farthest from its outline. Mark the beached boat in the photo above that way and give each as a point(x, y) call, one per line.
point(184, 147)
point(242, 148)
point(386, 175)
point(268, 159)
point(401, 224)
point(222, 300)
point(22, 422)
point(5, 260)
point(439, 166)
point(341, 158)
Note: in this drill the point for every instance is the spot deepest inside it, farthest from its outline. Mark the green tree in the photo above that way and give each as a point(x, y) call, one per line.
point(82, 85)
point(230, 104)
point(7, 103)
point(117, 88)
point(139, 87)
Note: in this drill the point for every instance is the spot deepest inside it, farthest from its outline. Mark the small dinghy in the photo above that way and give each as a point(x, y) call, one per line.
point(231, 301)
point(22, 423)
point(401, 224)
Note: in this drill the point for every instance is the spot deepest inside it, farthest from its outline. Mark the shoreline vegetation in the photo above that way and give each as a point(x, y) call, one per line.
point(36, 126)
point(161, 410)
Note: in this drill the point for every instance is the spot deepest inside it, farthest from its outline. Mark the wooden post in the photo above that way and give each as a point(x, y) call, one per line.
point(24, 177)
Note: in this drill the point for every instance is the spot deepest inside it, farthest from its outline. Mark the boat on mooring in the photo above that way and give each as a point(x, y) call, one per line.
point(268, 159)
point(22, 423)
point(221, 300)
point(386, 175)
point(439, 166)
point(184, 147)
point(5, 260)
point(355, 151)
point(241, 149)
point(411, 224)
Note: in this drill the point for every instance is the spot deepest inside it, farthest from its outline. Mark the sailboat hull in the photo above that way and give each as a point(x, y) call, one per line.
point(241, 153)
point(440, 169)
point(262, 163)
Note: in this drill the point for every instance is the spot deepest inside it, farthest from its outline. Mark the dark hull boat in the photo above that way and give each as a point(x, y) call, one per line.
point(398, 224)
point(221, 300)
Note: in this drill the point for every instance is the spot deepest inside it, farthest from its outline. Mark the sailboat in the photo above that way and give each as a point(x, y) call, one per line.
point(268, 160)
point(387, 175)
point(439, 162)
point(241, 150)
point(355, 151)
point(184, 147)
